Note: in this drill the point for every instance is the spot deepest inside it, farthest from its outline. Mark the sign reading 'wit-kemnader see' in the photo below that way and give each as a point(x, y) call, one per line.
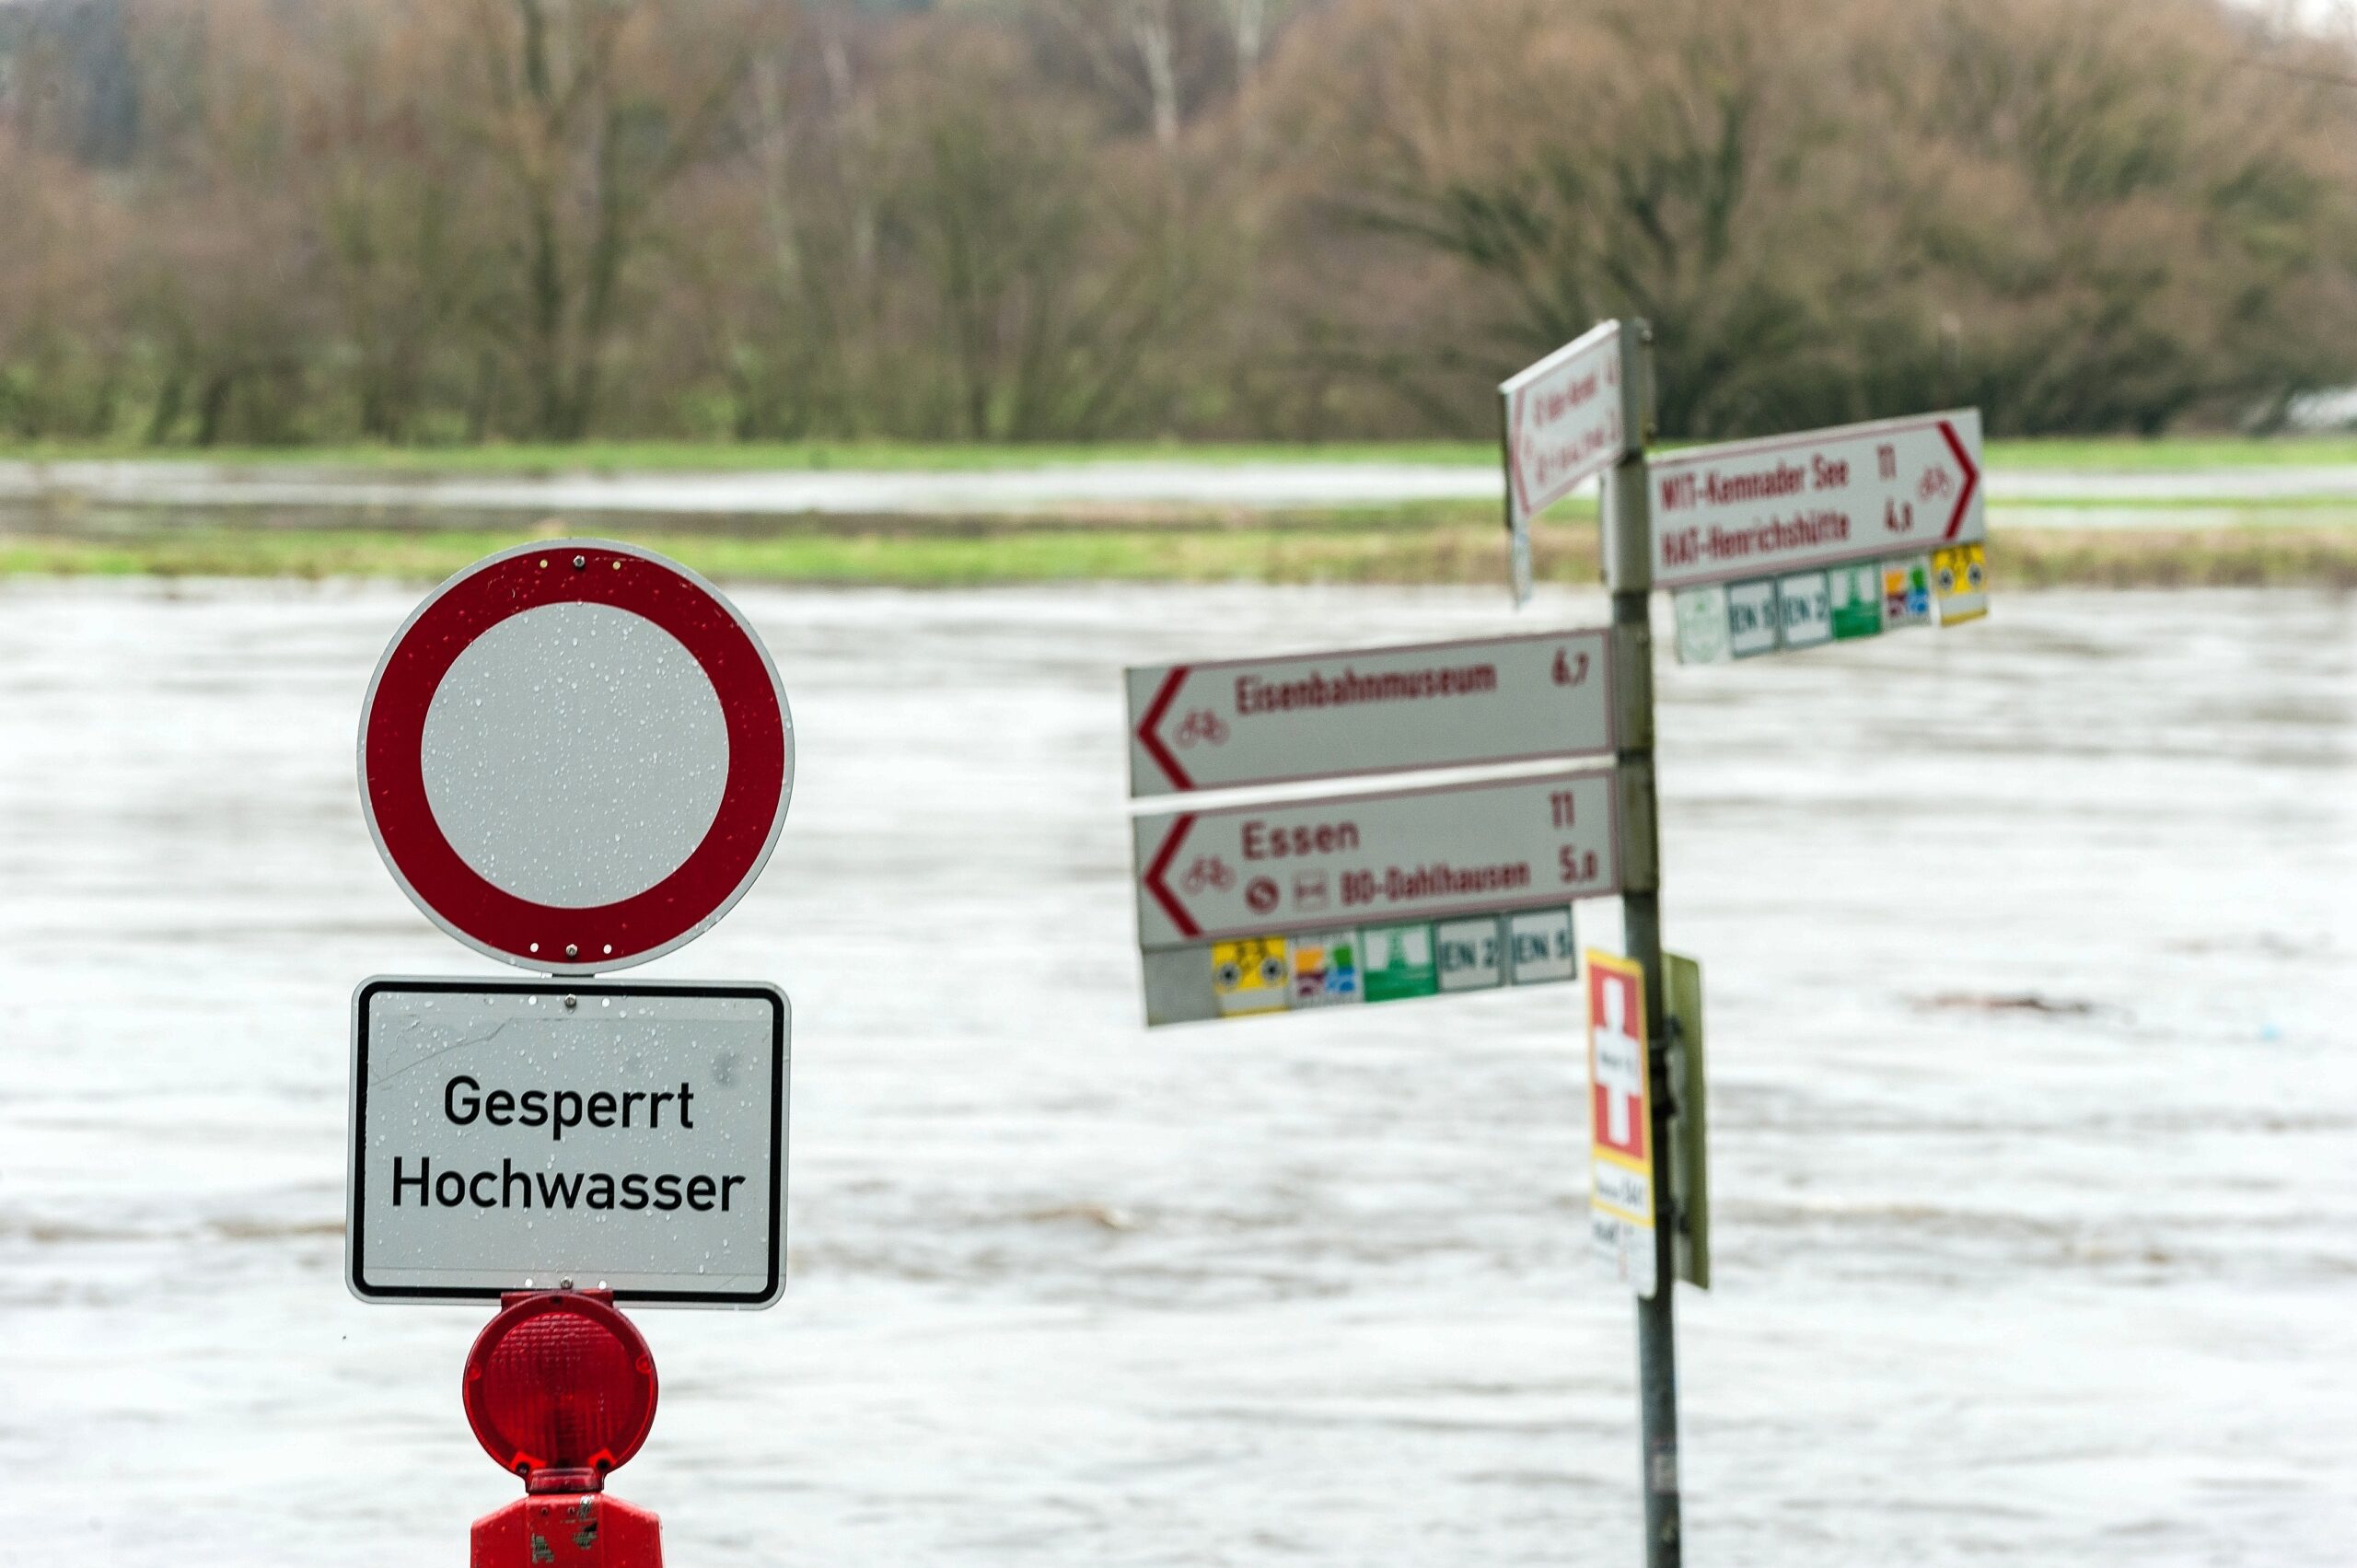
point(1751, 509)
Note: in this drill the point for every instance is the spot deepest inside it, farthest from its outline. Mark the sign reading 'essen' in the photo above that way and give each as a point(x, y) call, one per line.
point(1482, 848)
point(518, 1136)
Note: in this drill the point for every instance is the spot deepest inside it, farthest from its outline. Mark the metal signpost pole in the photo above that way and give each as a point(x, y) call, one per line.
point(1629, 568)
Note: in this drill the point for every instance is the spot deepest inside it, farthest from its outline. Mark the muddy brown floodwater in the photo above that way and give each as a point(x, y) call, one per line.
point(2028, 949)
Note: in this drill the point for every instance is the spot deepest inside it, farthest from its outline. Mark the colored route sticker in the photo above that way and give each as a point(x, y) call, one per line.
point(1398, 963)
point(1856, 598)
point(1702, 615)
point(1326, 969)
point(1539, 946)
point(1251, 976)
point(1804, 610)
point(1751, 618)
point(1471, 952)
point(1906, 592)
point(1961, 583)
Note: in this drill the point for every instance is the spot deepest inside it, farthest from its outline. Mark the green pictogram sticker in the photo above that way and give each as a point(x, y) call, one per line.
point(1857, 601)
point(1398, 961)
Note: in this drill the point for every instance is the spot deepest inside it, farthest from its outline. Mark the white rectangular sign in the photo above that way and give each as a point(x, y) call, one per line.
point(1620, 1138)
point(1566, 421)
point(1236, 722)
point(1410, 854)
point(539, 1134)
point(1752, 509)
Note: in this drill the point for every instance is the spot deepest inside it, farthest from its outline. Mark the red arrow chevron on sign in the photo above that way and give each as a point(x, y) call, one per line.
point(1156, 875)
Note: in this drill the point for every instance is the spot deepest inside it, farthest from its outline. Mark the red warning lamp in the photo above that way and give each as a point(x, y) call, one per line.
point(560, 1388)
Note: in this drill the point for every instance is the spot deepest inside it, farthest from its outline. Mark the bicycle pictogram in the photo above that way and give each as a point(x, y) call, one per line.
point(1205, 726)
point(1935, 484)
point(1209, 872)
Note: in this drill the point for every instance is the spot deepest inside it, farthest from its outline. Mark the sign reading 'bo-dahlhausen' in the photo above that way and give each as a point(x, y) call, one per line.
point(1237, 722)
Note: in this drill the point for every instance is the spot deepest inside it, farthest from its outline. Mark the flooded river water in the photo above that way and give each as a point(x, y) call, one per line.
point(2029, 951)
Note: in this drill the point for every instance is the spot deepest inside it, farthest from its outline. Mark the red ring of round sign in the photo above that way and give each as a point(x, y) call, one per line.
point(680, 905)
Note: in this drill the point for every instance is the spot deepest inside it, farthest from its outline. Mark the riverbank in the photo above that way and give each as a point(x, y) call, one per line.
point(1421, 544)
point(2095, 454)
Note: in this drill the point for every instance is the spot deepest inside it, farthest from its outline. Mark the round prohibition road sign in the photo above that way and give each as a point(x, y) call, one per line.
point(575, 756)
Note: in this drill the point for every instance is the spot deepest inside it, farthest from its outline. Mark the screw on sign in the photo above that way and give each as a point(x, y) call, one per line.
point(560, 1389)
point(575, 756)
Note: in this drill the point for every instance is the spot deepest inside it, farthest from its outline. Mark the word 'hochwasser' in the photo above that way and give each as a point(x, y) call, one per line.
point(465, 1103)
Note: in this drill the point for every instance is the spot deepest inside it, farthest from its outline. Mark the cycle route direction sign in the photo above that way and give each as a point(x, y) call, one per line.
point(1233, 723)
point(1480, 848)
point(1566, 419)
point(575, 756)
point(1751, 509)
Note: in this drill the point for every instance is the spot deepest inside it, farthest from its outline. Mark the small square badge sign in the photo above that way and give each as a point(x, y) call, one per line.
point(1701, 624)
point(1804, 608)
point(1397, 962)
point(1326, 969)
point(1751, 618)
point(1251, 976)
point(1538, 943)
point(1961, 583)
point(1856, 601)
point(1906, 592)
point(1472, 957)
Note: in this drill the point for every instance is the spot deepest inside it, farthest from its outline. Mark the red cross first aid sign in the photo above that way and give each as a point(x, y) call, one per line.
point(1621, 1151)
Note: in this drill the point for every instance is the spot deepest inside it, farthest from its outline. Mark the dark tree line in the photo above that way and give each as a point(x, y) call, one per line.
point(446, 220)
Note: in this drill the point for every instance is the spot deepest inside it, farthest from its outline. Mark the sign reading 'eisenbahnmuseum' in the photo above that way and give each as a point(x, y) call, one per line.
point(1225, 723)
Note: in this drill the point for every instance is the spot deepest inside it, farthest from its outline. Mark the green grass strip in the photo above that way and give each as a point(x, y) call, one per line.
point(935, 557)
point(2115, 455)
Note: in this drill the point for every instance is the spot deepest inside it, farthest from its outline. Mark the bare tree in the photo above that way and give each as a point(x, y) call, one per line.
point(589, 111)
point(258, 220)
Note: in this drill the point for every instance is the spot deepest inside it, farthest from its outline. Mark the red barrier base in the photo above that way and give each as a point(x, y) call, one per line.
point(580, 1530)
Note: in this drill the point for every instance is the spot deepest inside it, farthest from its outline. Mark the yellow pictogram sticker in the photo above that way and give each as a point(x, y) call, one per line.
point(1251, 976)
point(1961, 583)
